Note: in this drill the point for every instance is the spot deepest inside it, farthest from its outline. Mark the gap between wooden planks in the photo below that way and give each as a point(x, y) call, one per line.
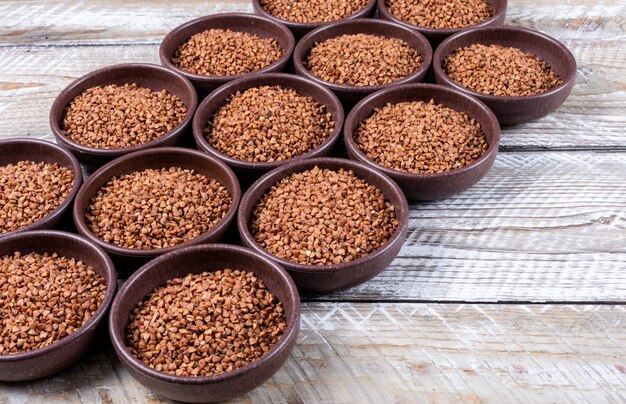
point(372, 353)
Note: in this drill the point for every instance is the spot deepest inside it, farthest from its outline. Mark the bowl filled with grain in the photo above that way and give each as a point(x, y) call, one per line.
point(121, 109)
point(303, 16)
point(432, 140)
point(439, 19)
point(520, 74)
point(38, 183)
point(56, 289)
point(258, 123)
point(153, 201)
point(355, 58)
point(331, 223)
point(205, 323)
point(218, 48)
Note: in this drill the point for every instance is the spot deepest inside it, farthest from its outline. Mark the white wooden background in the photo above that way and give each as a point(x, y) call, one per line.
point(514, 291)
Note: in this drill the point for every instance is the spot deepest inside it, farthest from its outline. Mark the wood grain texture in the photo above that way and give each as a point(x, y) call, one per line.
point(373, 353)
point(41, 54)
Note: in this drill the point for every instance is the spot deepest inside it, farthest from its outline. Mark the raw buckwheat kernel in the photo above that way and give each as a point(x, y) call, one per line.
point(269, 124)
point(154, 209)
point(115, 116)
point(502, 71)
point(44, 298)
point(306, 11)
point(440, 14)
point(29, 191)
point(206, 324)
point(218, 52)
point(323, 217)
point(362, 60)
point(420, 137)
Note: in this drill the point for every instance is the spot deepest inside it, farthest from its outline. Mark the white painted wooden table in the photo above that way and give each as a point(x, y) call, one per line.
point(513, 291)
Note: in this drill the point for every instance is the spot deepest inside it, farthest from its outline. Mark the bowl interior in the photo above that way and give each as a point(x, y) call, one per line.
point(39, 151)
point(150, 76)
point(197, 259)
point(157, 159)
point(218, 98)
point(249, 23)
point(64, 244)
point(367, 26)
point(546, 48)
point(423, 92)
point(259, 188)
point(70, 246)
point(362, 13)
point(498, 5)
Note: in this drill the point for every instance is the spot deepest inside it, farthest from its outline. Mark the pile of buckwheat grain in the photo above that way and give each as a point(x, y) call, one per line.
point(29, 191)
point(306, 11)
point(206, 324)
point(323, 217)
point(440, 14)
point(154, 209)
point(420, 137)
point(218, 52)
point(269, 123)
point(362, 60)
point(501, 71)
point(44, 298)
point(115, 116)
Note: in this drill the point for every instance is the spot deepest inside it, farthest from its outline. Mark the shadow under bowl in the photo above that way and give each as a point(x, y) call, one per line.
point(145, 75)
point(514, 110)
point(238, 22)
point(42, 362)
point(426, 187)
point(128, 259)
point(350, 95)
point(15, 150)
point(437, 35)
point(249, 171)
point(299, 29)
point(195, 260)
point(330, 278)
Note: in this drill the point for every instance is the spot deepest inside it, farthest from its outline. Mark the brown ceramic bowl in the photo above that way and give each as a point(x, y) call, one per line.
point(249, 23)
point(424, 187)
point(65, 352)
point(300, 29)
point(352, 94)
point(150, 76)
point(514, 110)
point(249, 170)
point(15, 150)
point(436, 36)
point(330, 278)
point(195, 260)
point(130, 259)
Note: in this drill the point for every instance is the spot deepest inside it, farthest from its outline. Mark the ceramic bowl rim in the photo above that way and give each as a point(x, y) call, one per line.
point(266, 181)
point(81, 332)
point(83, 230)
point(166, 58)
point(564, 52)
point(300, 52)
point(114, 152)
point(198, 126)
point(69, 199)
point(293, 321)
point(422, 88)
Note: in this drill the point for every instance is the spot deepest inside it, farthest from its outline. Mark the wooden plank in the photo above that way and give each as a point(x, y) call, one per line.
point(408, 353)
point(546, 226)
